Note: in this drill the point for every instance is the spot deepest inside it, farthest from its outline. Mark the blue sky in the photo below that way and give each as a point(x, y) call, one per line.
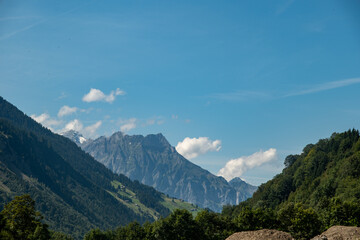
point(264, 78)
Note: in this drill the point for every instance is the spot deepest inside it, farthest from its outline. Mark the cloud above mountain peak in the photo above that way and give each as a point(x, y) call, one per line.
point(193, 147)
point(96, 95)
point(66, 110)
point(236, 167)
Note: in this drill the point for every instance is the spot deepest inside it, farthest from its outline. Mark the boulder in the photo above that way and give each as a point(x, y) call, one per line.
point(268, 234)
point(340, 233)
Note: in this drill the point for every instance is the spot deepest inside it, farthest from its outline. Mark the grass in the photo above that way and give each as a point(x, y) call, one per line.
point(173, 203)
point(129, 199)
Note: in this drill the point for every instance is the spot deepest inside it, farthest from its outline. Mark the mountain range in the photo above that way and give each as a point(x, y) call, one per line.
point(72, 190)
point(153, 161)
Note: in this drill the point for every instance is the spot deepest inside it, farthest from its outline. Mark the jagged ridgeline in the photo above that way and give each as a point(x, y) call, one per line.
point(73, 191)
point(322, 175)
point(153, 161)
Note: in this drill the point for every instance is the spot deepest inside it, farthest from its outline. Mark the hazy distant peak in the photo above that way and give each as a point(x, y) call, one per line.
point(117, 135)
point(239, 183)
point(236, 180)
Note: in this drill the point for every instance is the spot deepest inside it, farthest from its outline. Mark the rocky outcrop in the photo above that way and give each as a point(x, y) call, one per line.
point(264, 234)
point(340, 233)
point(333, 233)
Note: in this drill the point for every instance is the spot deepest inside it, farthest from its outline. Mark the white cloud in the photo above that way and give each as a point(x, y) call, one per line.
point(45, 120)
point(236, 167)
point(75, 125)
point(96, 95)
point(41, 118)
point(193, 147)
point(119, 92)
point(128, 124)
point(326, 86)
point(90, 131)
point(66, 110)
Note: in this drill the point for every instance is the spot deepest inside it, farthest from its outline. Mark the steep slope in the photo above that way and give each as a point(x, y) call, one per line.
point(325, 171)
point(72, 190)
point(153, 161)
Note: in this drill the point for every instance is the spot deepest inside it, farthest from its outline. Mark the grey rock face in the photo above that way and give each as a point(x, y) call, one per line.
point(154, 162)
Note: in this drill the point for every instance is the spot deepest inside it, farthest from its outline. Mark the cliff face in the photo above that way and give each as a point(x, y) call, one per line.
point(153, 161)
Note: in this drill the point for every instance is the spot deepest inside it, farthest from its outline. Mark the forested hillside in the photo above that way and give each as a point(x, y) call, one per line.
point(325, 171)
point(72, 190)
point(317, 189)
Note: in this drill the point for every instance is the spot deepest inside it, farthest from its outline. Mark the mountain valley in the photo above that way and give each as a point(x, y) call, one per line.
point(73, 191)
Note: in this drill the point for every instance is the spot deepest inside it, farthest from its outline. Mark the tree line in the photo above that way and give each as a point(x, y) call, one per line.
point(317, 189)
point(20, 220)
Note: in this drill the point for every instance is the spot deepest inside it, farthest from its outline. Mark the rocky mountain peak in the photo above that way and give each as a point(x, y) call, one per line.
point(236, 180)
point(153, 161)
point(156, 141)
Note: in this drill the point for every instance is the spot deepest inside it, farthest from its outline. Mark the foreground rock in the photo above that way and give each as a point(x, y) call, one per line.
point(261, 235)
point(340, 233)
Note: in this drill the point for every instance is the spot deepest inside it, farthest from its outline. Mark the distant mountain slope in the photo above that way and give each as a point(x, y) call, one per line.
point(326, 170)
point(240, 187)
point(153, 161)
point(73, 191)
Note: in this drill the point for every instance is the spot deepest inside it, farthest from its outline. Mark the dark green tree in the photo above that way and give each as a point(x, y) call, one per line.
point(214, 226)
point(301, 222)
point(60, 236)
point(289, 160)
point(341, 213)
point(96, 234)
point(5, 233)
point(132, 231)
point(179, 225)
point(254, 219)
point(23, 221)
